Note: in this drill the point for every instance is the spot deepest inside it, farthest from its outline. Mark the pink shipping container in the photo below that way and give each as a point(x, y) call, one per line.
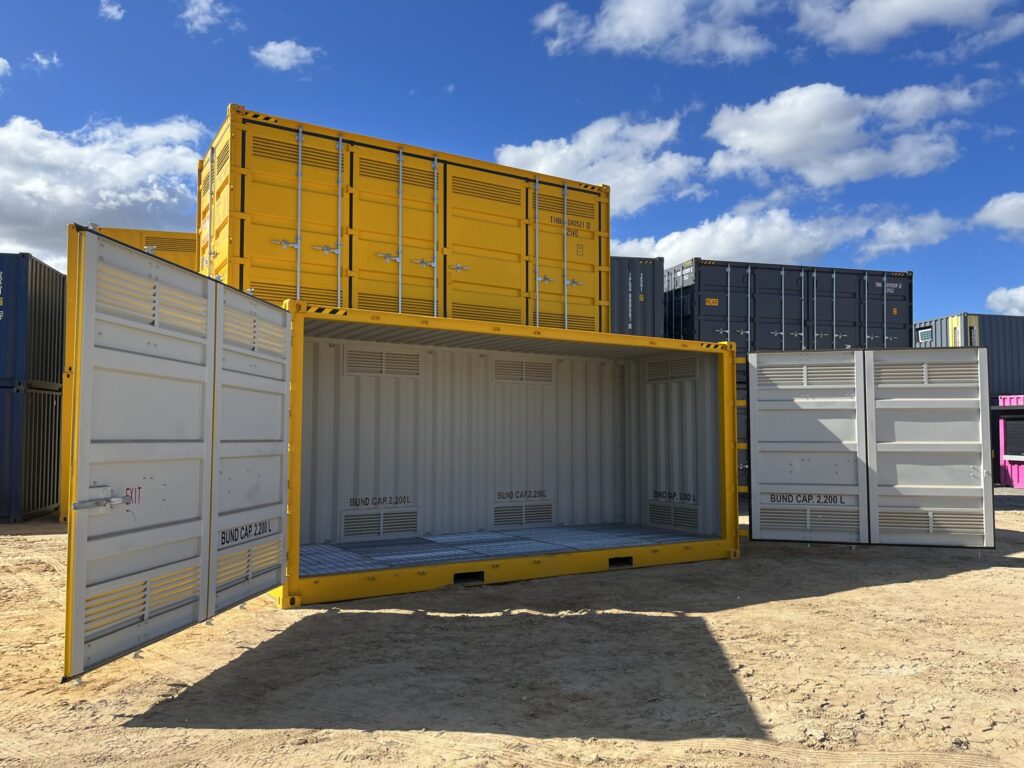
point(1011, 445)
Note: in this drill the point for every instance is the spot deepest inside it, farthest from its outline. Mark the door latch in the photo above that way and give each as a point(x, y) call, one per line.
point(458, 268)
point(286, 243)
point(104, 501)
point(388, 258)
point(327, 249)
point(424, 263)
point(573, 283)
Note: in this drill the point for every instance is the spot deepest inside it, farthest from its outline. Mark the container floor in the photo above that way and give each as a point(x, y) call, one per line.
point(351, 557)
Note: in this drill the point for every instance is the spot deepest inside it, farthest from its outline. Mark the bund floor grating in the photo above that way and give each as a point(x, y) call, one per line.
point(352, 557)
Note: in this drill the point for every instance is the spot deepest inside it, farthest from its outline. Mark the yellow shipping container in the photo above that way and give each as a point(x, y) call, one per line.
point(176, 247)
point(337, 219)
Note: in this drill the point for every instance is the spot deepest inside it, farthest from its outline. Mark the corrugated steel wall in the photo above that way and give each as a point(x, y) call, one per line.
point(638, 296)
point(405, 441)
point(31, 323)
point(29, 452)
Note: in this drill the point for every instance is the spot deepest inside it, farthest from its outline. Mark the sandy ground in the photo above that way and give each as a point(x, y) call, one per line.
point(791, 656)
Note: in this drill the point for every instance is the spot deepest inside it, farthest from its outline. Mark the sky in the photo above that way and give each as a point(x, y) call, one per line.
point(883, 134)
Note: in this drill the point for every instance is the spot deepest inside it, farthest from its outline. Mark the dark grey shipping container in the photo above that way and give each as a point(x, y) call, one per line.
point(638, 305)
point(770, 307)
point(29, 452)
point(767, 307)
point(1003, 335)
point(31, 323)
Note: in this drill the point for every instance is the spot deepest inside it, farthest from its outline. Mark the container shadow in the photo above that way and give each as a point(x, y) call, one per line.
point(623, 654)
point(578, 673)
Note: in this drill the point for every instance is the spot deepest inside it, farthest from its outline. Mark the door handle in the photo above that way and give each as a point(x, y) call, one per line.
point(388, 258)
point(458, 268)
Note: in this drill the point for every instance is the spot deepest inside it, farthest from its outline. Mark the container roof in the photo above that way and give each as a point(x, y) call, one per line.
point(390, 328)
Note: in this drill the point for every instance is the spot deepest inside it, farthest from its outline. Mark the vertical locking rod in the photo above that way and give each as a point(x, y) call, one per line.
point(536, 249)
point(434, 257)
point(298, 225)
point(341, 176)
point(401, 163)
point(565, 255)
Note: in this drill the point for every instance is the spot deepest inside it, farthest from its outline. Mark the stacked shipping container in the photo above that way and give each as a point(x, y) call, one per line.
point(1002, 335)
point(31, 371)
point(290, 210)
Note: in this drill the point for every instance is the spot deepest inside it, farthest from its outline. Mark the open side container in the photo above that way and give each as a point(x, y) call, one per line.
point(220, 446)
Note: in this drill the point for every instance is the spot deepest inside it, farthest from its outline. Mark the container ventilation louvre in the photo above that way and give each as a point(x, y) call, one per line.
point(673, 516)
point(171, 244)
point(127, 604)
point(376, 363)
point(383, 523)
point(577, 208)
point(144, 300)
point(669, 370)
point(486, 313)
point(950, 521)
point(814, 375)
point(811, 521)
point(523, 515)
point(525, 371)
point(485, 190)
point(378, 169)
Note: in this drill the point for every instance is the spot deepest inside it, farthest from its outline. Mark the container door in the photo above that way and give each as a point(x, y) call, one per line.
point(176, 449)
point(928, 447)
point(292, 243)
point(807, 447)
point(486, 269)
point(566, 280)
point(394, 230)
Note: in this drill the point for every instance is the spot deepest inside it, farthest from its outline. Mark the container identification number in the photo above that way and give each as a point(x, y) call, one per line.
point(674, 496)
point(535, 493)
point(246, 532)
point(806, 498)
point(379, 501)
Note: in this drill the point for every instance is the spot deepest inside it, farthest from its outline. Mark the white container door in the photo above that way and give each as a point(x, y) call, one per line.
point(177, 454)
point(808, 451)
point(929, 447)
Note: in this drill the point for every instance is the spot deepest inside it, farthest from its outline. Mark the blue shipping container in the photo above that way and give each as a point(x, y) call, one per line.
point(31, 323)
point(29, 452)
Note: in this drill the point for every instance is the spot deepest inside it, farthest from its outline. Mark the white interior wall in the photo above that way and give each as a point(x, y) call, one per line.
point(410, 440)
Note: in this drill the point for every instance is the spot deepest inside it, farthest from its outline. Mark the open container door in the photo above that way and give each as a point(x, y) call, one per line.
point(929, 443)
point(175, 439)
point(807, 446)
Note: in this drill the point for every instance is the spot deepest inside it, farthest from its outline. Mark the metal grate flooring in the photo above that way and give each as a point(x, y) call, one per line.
point(352, 557)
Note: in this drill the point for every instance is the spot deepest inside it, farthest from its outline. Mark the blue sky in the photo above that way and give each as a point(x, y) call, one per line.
point(883, 133)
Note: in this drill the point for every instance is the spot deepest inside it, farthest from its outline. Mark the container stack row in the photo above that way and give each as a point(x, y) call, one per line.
point(31, 371)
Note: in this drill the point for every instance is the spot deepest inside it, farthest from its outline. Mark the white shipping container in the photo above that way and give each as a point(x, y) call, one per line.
point(871, 446)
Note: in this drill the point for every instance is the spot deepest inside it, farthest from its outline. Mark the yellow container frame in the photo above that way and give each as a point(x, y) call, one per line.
point(298, 591)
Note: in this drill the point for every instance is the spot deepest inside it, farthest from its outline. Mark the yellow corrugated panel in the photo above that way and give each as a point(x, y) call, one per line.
point(371, 224)
point(176, 247)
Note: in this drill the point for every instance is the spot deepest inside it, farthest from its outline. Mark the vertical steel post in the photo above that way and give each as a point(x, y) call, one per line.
point(341, 176)
point(401, 163)
point(803, 309)
point(835, 331)
point(728, 302)
point(783, 320)
point(298, 225)
point(434, 257)
point(814, 309)
point(536, 250)
point(750, 309)
point(885, 310)
point(565, 255)
point(867, 328)
point(210, 195)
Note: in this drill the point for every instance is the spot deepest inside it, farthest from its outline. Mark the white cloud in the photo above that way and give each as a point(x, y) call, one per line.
point(867, 25)
point(905, 234)
point(769, 235)
point(5, 67)
point(111, 10)
point(202, 15)
point(827, 136)
point(1005, 212)
point(43, 62)
point(450, 88)
point(674, 30)
point(109, 173)
point(284, 55)
point(630, 156)
point(1007, 301)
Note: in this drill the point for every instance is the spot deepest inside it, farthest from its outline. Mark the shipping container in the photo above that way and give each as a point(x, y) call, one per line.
point(1011, 441)
point(176, 247)
point(300, 211)
point(31, 323)
point(1002, 335)
point(871, 446)
point(29, 452)
point(638, 299)
point(766, 307)
point(409, 452)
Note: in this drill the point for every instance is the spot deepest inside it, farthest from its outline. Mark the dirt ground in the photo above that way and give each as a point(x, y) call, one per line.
point(794, 655)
